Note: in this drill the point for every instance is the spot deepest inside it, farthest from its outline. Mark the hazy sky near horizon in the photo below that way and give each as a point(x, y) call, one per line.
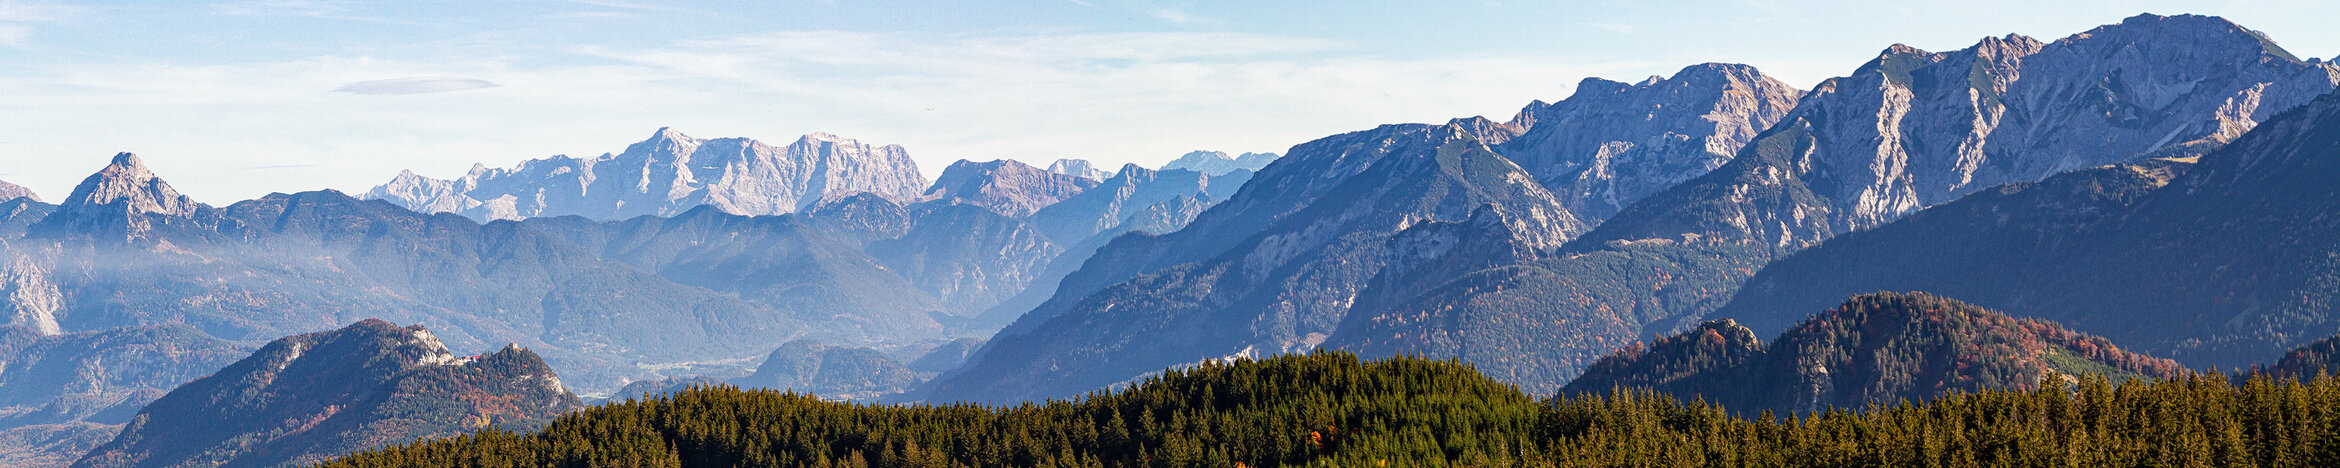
point(233, 100)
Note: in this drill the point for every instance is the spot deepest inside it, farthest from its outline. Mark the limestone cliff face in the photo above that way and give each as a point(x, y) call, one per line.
point(1912, 128)
point(667, 174)
point(1612, 143)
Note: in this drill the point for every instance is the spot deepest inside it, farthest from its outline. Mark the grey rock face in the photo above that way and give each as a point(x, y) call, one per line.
point(122, 201)
point(10, 191)
point(1611, 143)
point(1218, 162)
point(1913, 129)
point(1004, 186)
point(668, 174)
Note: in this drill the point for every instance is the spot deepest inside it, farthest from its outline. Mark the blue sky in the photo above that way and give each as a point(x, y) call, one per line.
point(232, 100)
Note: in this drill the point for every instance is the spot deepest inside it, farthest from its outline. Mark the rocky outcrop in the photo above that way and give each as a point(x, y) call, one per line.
point(1913, 129)
point(10, 191)
point(1218, 162)
point(1004, 186)
point(668, 174)
point(1611, 143)
point(305, 398)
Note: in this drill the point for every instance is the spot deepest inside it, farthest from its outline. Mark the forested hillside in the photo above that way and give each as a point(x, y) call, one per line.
point(1330, 409)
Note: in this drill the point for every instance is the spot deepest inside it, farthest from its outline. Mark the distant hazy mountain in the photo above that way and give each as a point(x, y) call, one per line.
point(10, 191)
point(1005, 186)
point(666, 175)
point(1877, 348)
point(2223, 262)
point(1081, 168)
point(807, 366)
point(1912, 128)
point(1118, 199)
point(62, 395)
point(126, 251)
point(1217, 162)
point(305, 398)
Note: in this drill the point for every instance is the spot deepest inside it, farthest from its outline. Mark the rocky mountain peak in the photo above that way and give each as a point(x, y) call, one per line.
point(1612, 143)
point(127, 183)
point(1005, 186)
point(123, 202)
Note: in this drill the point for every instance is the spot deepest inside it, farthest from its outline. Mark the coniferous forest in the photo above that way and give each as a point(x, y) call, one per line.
point(1332, 409)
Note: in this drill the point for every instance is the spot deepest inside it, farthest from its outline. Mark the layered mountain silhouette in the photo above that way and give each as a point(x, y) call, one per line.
point(305, 398)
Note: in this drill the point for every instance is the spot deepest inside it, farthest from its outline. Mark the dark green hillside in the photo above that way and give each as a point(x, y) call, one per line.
point(1324, 408)
point(1330, 409)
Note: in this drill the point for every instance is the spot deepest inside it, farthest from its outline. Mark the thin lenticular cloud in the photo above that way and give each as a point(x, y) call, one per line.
point(414, 85)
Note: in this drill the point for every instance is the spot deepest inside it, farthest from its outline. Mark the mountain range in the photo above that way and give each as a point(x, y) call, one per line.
point(668, 174)
point(1912, 129)
point(2162, 183)
point(2219, 260)
point(1283, 267)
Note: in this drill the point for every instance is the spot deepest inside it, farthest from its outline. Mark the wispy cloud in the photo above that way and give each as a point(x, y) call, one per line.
point(280, 166)
point(414, 85)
